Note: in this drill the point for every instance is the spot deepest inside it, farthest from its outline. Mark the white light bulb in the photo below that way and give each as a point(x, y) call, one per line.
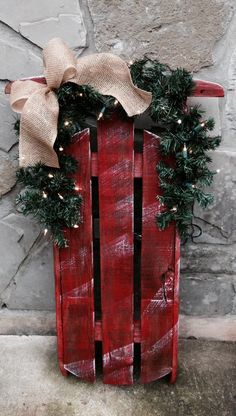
point(76, 188)
point(66, 123)
point(50, 175)
point(44, 195)
point(61, 149)
point(218, 170)
point(45, 231)
point(174, 209)
point(179, 121)
point(202, 124)
point(76, 226)
point(81, 94)
point(60, 196)
point(100, 115)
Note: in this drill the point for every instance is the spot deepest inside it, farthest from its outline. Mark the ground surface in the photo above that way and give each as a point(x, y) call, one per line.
point(31, 384)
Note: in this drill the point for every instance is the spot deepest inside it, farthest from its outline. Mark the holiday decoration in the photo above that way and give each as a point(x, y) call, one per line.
point(116, 285)
point(39, 105)
point(74, 91)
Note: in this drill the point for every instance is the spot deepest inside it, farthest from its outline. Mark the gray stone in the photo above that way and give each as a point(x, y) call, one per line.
point(33, 286)
point(12, 254)
point(19, 62)
point(230, 107)
point(26, 227)
point(179, 33)
point(208, 258)
point(41, 22)
point(14, 12)
point(7, 175)
point(68, 27)
point(31, 384)
point(218, 221)
point(7, 135)
point(17, 237)
point(206, 294)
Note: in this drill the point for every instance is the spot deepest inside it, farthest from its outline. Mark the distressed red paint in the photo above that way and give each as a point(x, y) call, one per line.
point(115, 181)
point(76, 283)
point(116, 166)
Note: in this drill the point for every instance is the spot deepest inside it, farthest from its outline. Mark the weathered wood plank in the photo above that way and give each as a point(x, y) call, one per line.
point(115, 176)
point(138, 160)
point(157, 275)
point(77, 275)
point(57, 275)
point(176, 310)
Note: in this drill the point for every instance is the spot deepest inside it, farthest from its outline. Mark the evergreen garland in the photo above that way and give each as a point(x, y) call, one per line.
point(184, 143)
point(51, 196)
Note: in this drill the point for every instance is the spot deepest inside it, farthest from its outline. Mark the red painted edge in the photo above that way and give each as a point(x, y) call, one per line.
point(176, 309)
point(207, 89)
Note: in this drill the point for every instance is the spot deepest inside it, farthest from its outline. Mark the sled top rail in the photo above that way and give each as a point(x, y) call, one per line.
point(202, 88)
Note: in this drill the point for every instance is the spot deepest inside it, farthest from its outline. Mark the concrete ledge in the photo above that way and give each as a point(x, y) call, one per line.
point(220, 328)
point(18, 322)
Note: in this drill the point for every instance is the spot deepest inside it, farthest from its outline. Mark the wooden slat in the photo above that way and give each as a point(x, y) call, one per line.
point(59, 317)
point(176, 310)
point(157, 275)
point(115, 177)
point(77, 275)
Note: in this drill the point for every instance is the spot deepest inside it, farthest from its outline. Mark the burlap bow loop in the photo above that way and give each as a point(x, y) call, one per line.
point(59, 63)
point(105, 72)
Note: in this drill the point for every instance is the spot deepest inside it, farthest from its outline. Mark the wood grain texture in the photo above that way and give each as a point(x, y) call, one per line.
point(115, 177)
point(59, 315)
point(176, 309)
point(157, 274)
point(77, 275)
point(138, 160)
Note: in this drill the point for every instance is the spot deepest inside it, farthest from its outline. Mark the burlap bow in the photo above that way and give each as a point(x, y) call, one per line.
point(38, 103)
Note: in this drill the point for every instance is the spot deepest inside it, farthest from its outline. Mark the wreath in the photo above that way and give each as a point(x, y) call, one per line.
point(50, 194)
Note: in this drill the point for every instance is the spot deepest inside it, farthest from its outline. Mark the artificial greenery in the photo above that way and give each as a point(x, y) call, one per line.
point(184, 145)
point(50, 196)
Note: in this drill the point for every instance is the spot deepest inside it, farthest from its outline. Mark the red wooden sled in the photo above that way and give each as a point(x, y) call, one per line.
point(140, 332)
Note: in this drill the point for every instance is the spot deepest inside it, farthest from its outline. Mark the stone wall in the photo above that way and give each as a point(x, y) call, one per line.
point(197, 34)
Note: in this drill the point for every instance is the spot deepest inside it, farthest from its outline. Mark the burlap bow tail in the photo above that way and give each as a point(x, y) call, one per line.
point(38, 103)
